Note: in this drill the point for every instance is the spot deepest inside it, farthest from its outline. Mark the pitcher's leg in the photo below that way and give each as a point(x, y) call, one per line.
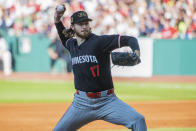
point(140, 125)
point(73, 119)
point(120, 113)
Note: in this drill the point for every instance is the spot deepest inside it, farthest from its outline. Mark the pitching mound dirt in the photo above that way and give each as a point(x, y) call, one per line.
point(44, 116)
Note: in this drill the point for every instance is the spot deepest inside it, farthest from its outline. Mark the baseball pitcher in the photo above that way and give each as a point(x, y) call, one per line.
point(95, 98)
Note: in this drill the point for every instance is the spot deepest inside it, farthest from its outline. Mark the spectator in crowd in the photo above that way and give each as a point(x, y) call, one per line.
point(191, 32)
point(57, 52)
point(5, 56)
point(168, 32)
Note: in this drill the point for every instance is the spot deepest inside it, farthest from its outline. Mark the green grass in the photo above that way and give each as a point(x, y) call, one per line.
point(61, 91)
point(156, 91)
point(162, 129)
point(36, 91)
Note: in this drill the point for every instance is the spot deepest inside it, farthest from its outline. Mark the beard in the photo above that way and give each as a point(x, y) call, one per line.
point(83, 34)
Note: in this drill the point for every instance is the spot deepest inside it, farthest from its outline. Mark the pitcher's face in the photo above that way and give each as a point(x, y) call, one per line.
point(82, 29)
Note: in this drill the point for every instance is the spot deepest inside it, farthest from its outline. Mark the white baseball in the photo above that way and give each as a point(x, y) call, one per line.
point(60, 8)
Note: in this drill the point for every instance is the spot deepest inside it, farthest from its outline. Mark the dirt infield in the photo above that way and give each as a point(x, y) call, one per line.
point(43, 117)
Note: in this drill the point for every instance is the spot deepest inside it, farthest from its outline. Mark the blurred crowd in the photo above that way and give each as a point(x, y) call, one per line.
point(165, 19)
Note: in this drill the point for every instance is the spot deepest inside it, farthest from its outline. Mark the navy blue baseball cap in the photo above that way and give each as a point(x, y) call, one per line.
point(79, 16)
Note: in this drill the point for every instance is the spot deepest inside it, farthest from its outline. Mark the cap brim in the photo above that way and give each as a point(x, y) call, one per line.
point(82, 20)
